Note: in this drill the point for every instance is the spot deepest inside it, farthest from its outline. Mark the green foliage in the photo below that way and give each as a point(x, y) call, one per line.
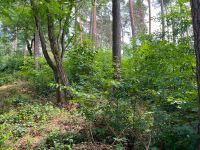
point(10, 64)
point(40, 78)
point(154, 75)
point(16, 122)
point(79, 63)
point(61, 141)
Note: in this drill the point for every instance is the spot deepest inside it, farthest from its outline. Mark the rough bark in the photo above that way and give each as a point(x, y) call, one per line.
point(132, 17)
point(58, 68)
point(62, 78)
point(41, 34)
point(116, 39)
point(195, 5)
point(149, 5)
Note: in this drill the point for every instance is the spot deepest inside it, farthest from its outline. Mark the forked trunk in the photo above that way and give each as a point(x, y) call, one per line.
point(57, 67)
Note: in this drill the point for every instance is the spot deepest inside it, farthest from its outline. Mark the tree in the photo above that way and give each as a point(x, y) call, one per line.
point(132, 17)
point(195, 4)
point(57, 41)
point(149, 5)
point(116, 39)
point(141, 15)
point(36, 48)
point(93, 22)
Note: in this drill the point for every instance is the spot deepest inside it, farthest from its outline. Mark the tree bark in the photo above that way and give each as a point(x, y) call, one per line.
point(116, 48)
point(195, 5)
point(149, 5)
point(62, 78)
point(132, 17)
point(141, 13)
point(162, 19)
point(93, 22)
point(58, 68)
point(81, 31)
point(36, 48)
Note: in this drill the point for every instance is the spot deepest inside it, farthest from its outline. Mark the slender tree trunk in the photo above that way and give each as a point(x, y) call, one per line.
point(81, 31)
point(116, 39)
point(36, 49)
point(173, 26)
point(132, 17)
point(149, 5)
point(195, 5)
point(93, 22)
point(162, 19)
point(167, 24)
point(141, 13)
point(15, 43)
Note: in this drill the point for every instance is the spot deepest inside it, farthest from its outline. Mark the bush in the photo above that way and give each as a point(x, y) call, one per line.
point(39, 79)
point(11, 64)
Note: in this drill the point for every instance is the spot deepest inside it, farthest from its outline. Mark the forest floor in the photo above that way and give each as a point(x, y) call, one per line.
point(26, 123)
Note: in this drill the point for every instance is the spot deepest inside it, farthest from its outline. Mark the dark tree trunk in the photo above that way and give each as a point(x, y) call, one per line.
point(132, 17)
point(116, 39)
point(29, 46)
point(195, 5)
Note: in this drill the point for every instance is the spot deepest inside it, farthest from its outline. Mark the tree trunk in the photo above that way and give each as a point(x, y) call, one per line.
point(29, 46)
point(36, 49)
point(116, 39)
point(15, 43)
point(149, 5)
point(62, 78)
point(132, 17)
point(93, 22)
point(162, 19)
point(81, 31)
point(195, 5)
point(58, 69)
point(141, 13)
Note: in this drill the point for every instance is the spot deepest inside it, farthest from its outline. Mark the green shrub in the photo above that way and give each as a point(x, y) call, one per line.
point(40, 78)
point(11, 64)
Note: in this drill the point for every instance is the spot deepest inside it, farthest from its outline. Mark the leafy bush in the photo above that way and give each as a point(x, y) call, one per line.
point(10, 64)
point(61, 141)
point(40, 78)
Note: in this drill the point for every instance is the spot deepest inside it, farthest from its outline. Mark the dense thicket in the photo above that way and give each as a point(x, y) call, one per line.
point(133, 83)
